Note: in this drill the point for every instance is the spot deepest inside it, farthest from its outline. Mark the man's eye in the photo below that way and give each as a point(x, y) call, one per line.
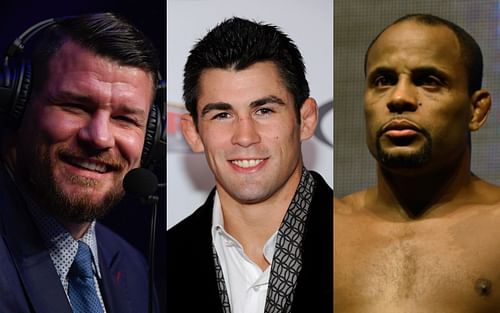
point(264, 111)
point(127, 120)
point(432, 81)
point(382, 80)
point(221, 116)
point(124, 119)
point(72, 107)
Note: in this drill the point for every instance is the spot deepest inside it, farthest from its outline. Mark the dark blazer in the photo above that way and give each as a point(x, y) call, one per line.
point(29, 281)
point(191, 281)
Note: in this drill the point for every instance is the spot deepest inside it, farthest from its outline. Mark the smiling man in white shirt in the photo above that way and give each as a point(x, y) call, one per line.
point(262, 242)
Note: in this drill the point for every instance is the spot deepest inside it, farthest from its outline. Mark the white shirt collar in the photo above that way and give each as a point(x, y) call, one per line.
point(218, 228)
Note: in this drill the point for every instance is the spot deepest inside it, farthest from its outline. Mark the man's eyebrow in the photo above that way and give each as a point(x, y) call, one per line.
point(378, 71)
point(215, 106)
point(226, 106)
point(419, 70)
point(68, 96)
point(128, 109)
point(430, 70)
point(266, 100)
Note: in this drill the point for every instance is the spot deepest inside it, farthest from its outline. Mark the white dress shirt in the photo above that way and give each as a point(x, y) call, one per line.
point(246, 283)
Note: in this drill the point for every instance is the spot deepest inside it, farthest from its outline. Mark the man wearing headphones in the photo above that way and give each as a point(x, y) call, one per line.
point(86, 108)
point(262, 242)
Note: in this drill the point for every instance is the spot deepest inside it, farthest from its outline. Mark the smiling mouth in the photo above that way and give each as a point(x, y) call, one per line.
point(247, 163)
point(89, 165)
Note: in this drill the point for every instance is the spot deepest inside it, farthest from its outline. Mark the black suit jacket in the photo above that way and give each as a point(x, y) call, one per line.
point(28, 278)
point(191, 281)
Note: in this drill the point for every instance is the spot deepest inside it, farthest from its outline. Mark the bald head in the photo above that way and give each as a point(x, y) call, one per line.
point(469, 49)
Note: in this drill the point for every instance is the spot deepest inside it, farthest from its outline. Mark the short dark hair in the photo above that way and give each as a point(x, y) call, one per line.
point(469, 49)
point(106, 34)
point(239, 43)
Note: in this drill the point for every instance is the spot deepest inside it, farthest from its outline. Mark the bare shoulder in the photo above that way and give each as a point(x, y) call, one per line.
point(483, 200)
point(340, 206)
point(486, 193)
point(351, 204)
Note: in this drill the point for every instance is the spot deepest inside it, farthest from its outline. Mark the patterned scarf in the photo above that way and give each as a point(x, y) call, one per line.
point(287, 259)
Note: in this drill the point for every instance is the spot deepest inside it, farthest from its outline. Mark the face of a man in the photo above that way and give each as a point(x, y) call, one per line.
point(249, 132)
point(417, 106)
point(82, 132)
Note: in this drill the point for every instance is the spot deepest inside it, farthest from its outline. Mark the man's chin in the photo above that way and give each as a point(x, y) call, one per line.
point(403, 160)
point(84, 189)
point(407, 157)
point(79, 205)
point(69, 195)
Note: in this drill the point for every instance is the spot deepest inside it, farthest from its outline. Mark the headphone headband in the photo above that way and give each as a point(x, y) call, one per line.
point(17, 46)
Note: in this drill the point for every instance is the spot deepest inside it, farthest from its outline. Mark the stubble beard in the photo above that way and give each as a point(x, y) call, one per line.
point(413, 160)
point(69, 208)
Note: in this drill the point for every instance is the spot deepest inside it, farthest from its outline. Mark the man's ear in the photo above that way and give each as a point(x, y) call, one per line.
point(308, 118)
point(190, 133)
point(481, 103)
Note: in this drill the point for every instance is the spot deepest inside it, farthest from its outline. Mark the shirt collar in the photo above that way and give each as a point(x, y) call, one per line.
point(217, 218)
point(219, 230)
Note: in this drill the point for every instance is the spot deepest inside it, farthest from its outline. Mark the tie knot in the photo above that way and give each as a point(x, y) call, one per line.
point(82, 264)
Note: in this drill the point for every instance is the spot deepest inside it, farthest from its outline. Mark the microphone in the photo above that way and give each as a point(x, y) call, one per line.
point(140, 182)
point(143, 183)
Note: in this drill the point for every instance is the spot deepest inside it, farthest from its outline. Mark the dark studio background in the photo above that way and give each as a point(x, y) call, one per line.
point(131, 219)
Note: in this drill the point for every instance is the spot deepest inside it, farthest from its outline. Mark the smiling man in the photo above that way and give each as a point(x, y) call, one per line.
point(262, 242)
point(83, 129)
point(426, 238)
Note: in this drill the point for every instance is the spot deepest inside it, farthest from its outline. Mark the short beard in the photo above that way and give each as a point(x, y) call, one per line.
point(414, 160)
point(69, 208)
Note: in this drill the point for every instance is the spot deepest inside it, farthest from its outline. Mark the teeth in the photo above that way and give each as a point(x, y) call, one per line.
point(92, 166)
point(247, 163)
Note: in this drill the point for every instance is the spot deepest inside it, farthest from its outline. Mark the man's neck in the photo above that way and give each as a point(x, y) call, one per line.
point(77, 231)
point(253, 224)
point(418, 192)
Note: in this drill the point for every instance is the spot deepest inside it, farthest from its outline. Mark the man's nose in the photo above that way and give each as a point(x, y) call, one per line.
point(97, 132)
point(404, 97)
point(245, 132)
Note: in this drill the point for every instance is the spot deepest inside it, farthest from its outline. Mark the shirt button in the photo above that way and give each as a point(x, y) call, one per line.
point(256, 288)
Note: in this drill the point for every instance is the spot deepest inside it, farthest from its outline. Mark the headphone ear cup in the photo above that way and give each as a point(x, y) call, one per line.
point(15, 86)
point(15, 80)
point(22, 88)
point(5, 90)
point(152, 136)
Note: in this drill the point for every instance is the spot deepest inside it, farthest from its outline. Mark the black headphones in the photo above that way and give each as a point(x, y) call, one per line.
point(15, 88)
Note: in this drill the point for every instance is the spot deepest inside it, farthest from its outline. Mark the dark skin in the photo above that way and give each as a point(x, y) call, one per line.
point(425, 238)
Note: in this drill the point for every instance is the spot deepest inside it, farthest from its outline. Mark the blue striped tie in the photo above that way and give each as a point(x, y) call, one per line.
point(81, 291)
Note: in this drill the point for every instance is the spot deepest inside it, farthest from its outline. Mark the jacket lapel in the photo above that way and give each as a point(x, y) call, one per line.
point(34, 266)
point(191, 268)
point(42, 284)
point(113, 283)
